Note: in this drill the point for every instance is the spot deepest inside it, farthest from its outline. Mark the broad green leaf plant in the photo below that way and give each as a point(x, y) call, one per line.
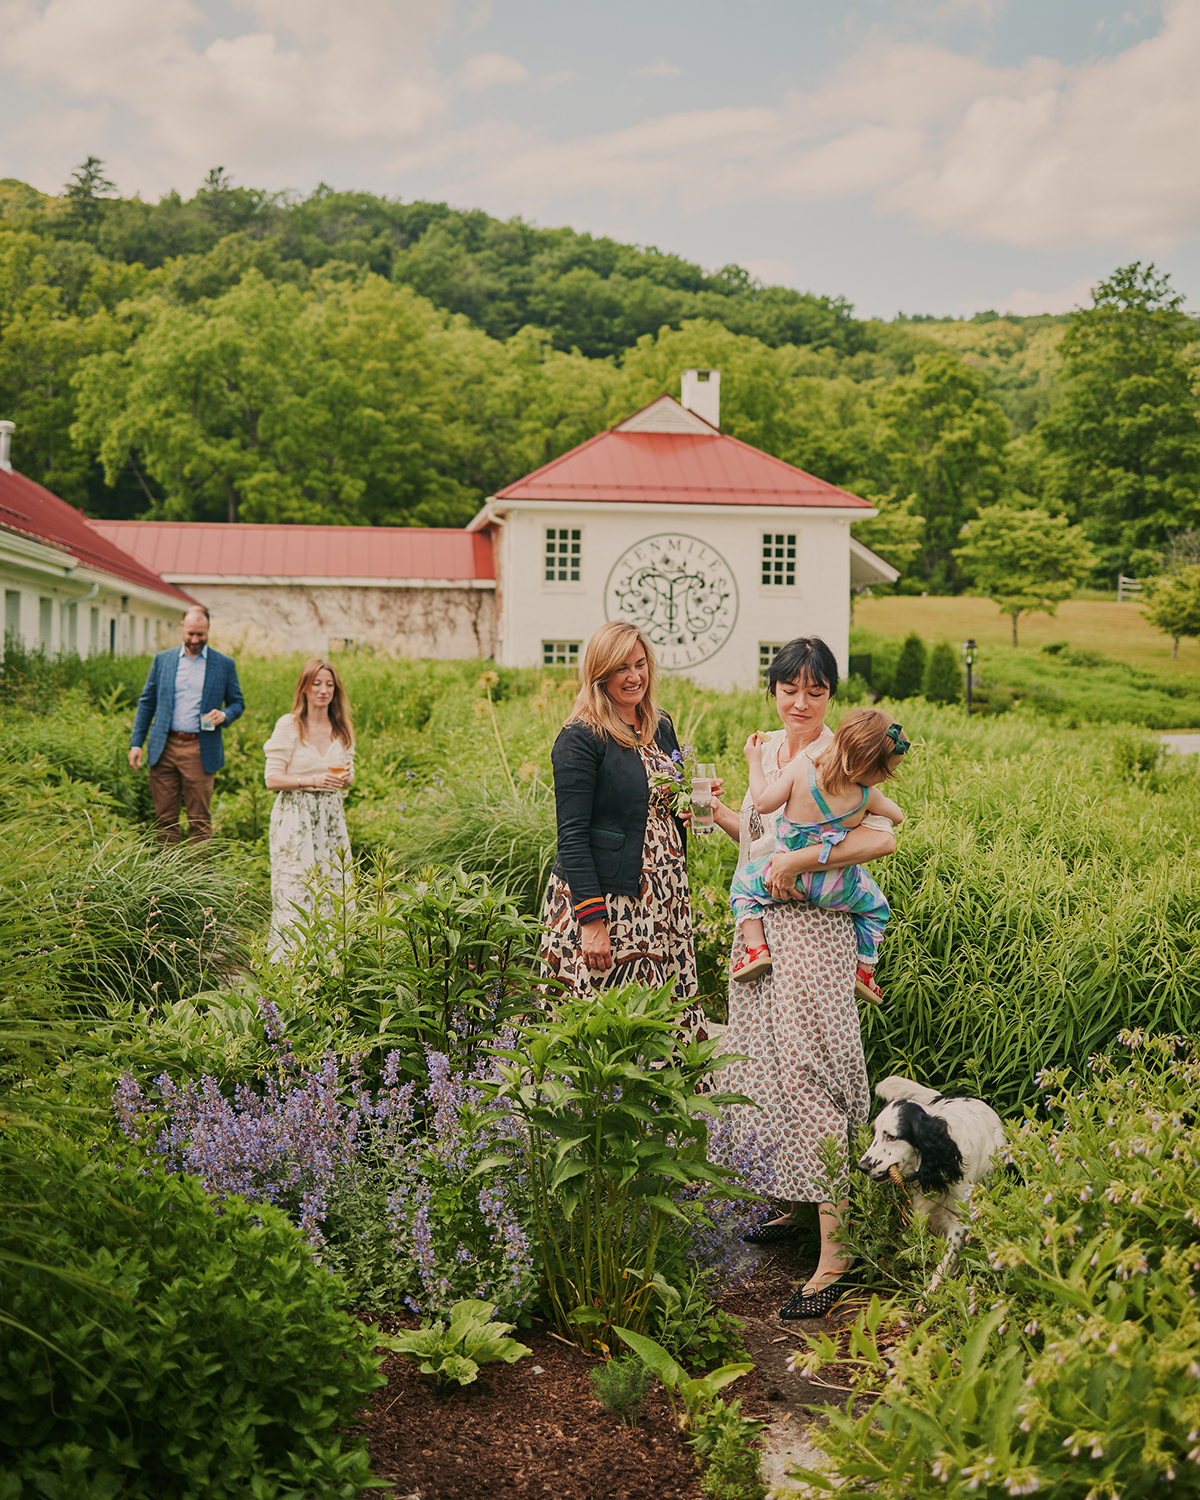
point(613, 1128)
point(453, 1351)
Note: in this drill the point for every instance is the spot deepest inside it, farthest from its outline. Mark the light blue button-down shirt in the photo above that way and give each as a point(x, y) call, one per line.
point(189, 690)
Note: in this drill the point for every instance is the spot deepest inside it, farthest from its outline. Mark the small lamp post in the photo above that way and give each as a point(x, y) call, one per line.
point(968, 656)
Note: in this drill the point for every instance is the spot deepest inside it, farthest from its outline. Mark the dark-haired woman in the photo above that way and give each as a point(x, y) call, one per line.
point(310, 760)
point(797, 1026)
point(617, 908)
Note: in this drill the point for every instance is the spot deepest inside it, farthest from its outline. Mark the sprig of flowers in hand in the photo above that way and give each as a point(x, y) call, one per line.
point(673, 789)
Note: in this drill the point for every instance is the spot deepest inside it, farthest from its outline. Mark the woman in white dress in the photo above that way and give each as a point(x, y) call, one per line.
point(310, 760)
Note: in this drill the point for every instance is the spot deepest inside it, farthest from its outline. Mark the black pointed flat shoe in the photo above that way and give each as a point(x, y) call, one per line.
point(818, 1304)
point(768, 1233)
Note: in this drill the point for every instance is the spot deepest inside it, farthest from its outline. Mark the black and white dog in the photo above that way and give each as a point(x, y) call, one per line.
point(941, 1144)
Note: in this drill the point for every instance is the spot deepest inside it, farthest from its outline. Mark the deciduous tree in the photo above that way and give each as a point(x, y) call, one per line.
point(1024, 559)
point(1124, 435)
point(1174, 605)
point(944, 442)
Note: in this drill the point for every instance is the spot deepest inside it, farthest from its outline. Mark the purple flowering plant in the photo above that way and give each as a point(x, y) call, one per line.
point(411, 1195)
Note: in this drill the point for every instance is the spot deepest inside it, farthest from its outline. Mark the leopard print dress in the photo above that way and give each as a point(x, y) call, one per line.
point(650, 933)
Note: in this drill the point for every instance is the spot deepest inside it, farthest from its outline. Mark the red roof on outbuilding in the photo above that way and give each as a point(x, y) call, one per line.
point(682, 468)
point(28, 507)
point(221, 549)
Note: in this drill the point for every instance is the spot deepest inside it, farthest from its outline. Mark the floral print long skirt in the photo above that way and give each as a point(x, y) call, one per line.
point(799, 1032)
point(308, 829)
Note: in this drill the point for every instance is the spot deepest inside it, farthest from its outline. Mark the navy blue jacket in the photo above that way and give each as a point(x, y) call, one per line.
point(157, 703)
point(602, 800)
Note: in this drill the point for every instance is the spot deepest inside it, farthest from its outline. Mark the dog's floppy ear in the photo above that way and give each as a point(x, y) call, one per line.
point(941, 1159)
point(896, 1087)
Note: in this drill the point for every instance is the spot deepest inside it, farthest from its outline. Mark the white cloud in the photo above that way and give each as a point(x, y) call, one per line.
point(550, 81)
point(1037, 156)
point(1026, 304)
point(489, 69)
point(308, 79)
point(663, 70)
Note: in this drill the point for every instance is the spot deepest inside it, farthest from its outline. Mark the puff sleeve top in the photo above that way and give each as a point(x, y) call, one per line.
point(289, 755)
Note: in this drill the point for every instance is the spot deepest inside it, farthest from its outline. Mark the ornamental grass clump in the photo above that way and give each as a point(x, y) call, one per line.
point(1065, 1359)
point(613, 1129)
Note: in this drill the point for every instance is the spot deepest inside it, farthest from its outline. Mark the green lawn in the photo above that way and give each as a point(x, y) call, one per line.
point(1115, 630)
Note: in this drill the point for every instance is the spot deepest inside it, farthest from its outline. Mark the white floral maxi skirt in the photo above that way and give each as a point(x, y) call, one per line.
point(307, 831)
point(798, 1029)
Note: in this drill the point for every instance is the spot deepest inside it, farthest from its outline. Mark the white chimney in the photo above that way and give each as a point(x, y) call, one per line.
point(702, 394)
point(6, 431)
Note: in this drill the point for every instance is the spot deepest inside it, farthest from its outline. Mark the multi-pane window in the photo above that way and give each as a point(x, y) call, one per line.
point(767, 652)
point(560, 653)
point(779, 558)
point(564, 546)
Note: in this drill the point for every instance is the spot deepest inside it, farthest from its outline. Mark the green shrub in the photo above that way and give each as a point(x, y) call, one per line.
point(163, 1349)
point(614, 1128)
point(620, 1386)
point(944, 676)
point(439, 962)
point(1067, 1362)
point(909, 676)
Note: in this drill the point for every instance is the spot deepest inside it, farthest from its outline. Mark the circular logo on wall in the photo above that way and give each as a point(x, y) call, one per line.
point(677, 590)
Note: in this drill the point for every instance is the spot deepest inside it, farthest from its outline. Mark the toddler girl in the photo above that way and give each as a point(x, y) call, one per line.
point(824, 799)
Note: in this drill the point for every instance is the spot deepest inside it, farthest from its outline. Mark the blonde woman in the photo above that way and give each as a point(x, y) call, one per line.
point(618, 908)
point(310, 760)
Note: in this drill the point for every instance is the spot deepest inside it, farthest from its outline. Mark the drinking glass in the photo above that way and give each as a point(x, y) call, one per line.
point(702, 816)
point(206, 720)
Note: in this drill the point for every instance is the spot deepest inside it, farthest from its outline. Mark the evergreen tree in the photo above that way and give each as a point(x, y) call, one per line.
point(909, 678)
point(1124, 436)
point(944, 679)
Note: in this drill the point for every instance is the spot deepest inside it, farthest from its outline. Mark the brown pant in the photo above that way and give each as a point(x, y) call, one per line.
point(178, 777)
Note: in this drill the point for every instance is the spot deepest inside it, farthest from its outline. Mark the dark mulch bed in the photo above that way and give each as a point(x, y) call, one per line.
point(532, 1428)
point(535, 1429)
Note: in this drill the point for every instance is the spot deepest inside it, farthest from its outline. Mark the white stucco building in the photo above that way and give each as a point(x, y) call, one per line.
point(69, 589)
point(719, 551)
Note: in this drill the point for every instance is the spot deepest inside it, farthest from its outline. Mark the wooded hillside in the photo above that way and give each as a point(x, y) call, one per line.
point(350, 358)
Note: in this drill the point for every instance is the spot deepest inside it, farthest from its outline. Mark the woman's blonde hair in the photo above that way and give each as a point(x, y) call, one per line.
point(861, 747)
point(607, 649)
point(339, 704)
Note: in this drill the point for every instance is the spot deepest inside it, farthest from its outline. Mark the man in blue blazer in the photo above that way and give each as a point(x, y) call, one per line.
point(191, 693)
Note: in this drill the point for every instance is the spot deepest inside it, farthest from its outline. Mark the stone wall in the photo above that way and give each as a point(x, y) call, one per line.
point(269, 619)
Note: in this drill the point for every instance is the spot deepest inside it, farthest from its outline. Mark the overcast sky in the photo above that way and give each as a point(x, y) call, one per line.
point(920, 155)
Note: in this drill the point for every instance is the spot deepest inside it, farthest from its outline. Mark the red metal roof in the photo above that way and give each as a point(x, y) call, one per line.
point(679, 468)
point(28, 507)
point(194, 550)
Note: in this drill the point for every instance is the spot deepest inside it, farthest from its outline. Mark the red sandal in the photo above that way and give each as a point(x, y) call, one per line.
point(755, 962)
point(865, 987)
